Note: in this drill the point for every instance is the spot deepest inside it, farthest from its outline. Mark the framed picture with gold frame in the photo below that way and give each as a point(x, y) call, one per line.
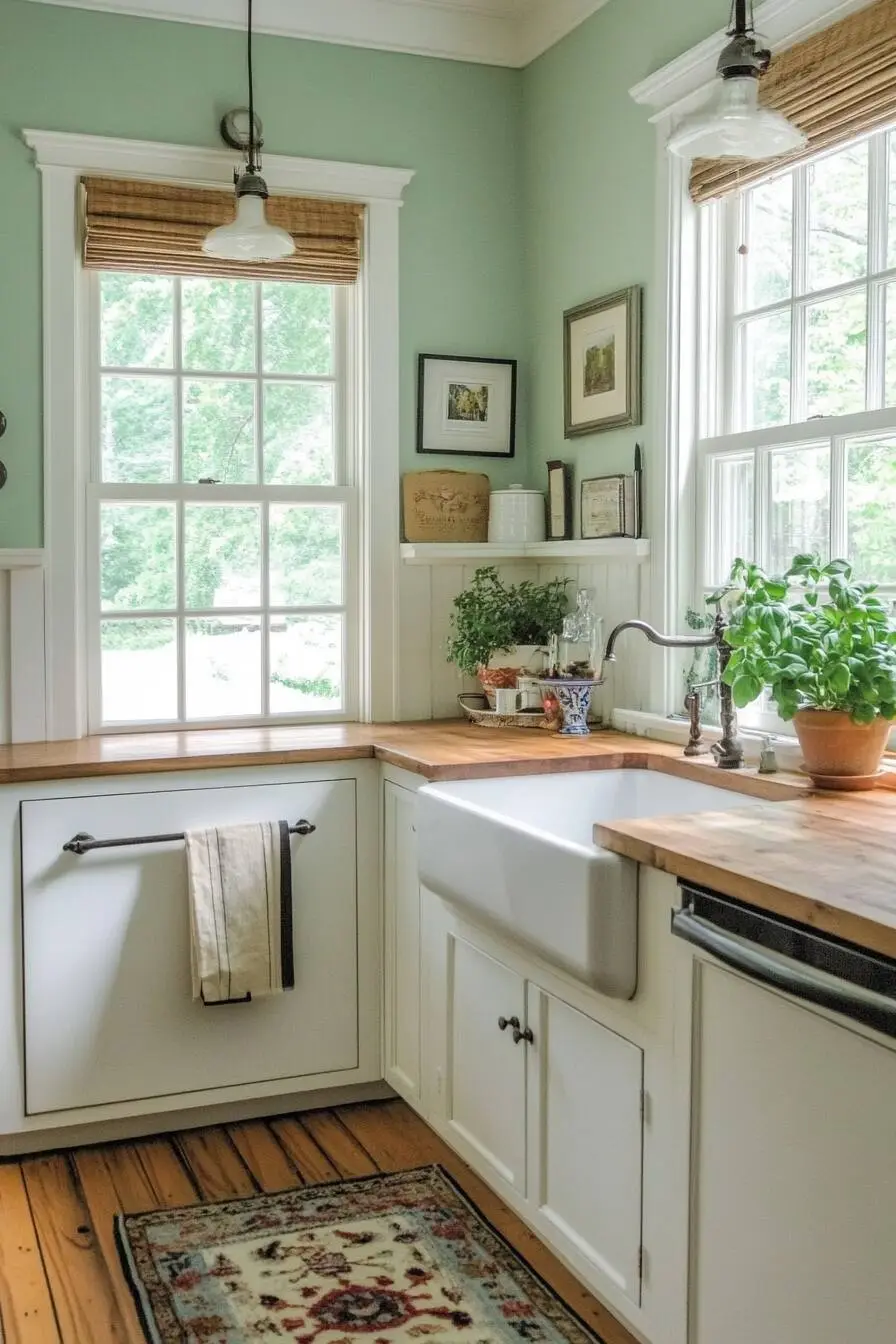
point(602, 363)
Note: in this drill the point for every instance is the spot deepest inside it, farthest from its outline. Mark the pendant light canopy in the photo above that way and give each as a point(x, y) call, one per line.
point(250, 237)
point(732, 124)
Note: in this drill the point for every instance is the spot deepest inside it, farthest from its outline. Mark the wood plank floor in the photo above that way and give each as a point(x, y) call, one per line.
point(60, 1282)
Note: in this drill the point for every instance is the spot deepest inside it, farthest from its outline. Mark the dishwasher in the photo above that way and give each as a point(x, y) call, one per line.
point(792, 1227)
point(814, 967)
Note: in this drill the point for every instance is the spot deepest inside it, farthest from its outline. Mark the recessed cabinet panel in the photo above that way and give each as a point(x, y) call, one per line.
point(794, 1224)
point(587, 1146)
point(108, 1010)
point(402, 924)
point(487, 1071)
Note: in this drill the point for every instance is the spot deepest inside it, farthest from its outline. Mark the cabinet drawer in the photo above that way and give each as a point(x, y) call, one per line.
point(108, 1010)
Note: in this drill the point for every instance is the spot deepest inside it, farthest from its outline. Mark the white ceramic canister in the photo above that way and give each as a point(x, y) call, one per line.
point(516, 515)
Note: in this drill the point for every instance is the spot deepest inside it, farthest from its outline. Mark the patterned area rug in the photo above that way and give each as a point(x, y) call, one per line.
point(403, 1257)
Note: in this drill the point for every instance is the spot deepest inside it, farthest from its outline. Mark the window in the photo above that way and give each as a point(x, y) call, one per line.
point(797, 447)
point(222, 507)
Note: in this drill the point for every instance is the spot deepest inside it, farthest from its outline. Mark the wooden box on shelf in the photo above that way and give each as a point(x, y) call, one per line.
point(446, 506)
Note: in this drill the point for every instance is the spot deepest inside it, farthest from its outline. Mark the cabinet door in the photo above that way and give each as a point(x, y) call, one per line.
point(794, 1223)
point(402, 951)
point(486, 1101)
point(586, 1087)
point(108, 1010)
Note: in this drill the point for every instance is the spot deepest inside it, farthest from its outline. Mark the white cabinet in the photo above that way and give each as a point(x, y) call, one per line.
point(486, 1061)
point(585, 1144)
point(547, 1103)
point(108, 1013)
point(403, 952)
point(794, 1219)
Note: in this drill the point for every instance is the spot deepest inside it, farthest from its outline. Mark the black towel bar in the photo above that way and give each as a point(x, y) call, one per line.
point(82, 843)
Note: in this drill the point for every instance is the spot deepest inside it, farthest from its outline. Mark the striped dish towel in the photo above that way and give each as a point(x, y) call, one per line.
point(240, 880)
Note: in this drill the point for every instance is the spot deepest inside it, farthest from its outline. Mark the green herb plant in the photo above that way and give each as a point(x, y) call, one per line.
point(490, 616)
point(824, 650)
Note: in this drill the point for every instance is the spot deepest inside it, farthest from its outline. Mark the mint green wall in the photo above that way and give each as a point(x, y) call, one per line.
point(589, 167)
point(458, 125)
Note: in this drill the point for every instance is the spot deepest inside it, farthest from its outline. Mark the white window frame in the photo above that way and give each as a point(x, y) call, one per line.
point(722, 225)
point(668, 95)
point(374, 369)
point(349, 468)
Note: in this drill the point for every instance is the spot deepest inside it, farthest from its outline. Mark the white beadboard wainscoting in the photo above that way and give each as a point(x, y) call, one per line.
point(22, 656)
point(429, 685)
point(5, 697)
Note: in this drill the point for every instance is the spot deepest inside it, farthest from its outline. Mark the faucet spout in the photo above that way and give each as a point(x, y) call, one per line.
point(655, 637)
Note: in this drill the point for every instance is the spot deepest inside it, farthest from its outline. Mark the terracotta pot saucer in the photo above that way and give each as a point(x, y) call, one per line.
point(845, 783)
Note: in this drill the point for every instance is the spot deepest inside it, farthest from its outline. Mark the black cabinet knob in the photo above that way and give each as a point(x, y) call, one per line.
point(505, 1022)
point(524, 1035)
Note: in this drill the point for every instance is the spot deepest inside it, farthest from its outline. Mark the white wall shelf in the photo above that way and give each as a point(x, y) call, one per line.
point(636, 550)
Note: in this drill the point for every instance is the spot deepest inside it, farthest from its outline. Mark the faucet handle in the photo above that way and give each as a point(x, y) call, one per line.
point(695, 745)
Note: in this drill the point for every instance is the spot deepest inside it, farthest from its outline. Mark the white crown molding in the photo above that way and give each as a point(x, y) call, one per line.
point(673, 88)
point(490, 32)
point(213, 167)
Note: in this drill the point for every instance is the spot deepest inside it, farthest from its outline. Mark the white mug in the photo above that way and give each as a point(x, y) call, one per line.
point(507, 699)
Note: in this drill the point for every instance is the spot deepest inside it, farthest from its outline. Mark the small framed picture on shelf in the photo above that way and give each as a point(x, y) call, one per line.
point(559, 502)
point(602, 363)
point(610, 507)
point(466, 406)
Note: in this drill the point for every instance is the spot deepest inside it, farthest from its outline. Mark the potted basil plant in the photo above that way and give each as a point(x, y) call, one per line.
point(500, 631)
point(827, 655)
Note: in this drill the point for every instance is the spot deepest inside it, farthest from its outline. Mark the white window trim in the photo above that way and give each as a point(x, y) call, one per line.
point(62, 159)
point(670, 93)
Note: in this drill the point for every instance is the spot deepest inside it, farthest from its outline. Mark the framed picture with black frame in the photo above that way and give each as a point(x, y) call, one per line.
point(466, 406)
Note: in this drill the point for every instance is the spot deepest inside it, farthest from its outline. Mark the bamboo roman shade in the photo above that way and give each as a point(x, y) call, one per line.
point(838, 84)
point(154, 226)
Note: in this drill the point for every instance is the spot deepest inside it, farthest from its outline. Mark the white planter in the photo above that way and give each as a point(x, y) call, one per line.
point(526, 660)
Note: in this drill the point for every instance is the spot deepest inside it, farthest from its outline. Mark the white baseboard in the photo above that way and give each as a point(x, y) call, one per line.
point(197, 1117)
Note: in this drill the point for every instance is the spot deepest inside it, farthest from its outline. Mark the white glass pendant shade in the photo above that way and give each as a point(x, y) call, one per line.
point(733, 125)
point(250, 237)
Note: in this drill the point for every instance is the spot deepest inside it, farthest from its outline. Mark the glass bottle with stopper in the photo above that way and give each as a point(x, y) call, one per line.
point(577, 653)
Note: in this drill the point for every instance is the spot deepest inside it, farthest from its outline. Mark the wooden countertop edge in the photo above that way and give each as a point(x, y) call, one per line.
point(153, 765)
point(866, 931)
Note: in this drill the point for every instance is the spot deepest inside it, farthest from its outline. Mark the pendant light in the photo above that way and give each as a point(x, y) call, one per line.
point(250, 237)
point(732, 124)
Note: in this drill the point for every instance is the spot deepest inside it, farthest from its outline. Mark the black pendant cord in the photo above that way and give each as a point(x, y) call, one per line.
point(738, 23)
point(253, 167)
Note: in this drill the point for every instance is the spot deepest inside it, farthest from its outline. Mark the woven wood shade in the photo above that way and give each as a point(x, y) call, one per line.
point(154, 226)
point(836, 85)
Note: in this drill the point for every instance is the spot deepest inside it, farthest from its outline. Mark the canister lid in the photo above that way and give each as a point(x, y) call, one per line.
point(518, 490)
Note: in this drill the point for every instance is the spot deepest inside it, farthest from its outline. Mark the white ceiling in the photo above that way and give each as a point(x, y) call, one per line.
point(494, 32)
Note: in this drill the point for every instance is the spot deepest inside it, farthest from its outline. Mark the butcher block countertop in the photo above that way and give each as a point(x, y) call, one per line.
point(826, 860)
point(452, 749)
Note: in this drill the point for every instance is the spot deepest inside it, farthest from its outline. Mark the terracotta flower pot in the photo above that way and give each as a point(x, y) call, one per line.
point(835, 748)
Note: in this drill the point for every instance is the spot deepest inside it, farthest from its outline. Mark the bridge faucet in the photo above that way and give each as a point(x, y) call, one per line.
point(728, 751)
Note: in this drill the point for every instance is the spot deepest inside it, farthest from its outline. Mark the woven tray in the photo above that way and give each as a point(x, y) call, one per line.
point(476, 709)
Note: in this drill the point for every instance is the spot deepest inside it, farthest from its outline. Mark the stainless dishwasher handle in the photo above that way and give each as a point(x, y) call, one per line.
point(792, 977)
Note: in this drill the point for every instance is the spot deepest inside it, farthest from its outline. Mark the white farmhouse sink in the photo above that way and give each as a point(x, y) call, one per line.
point(518, 853)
